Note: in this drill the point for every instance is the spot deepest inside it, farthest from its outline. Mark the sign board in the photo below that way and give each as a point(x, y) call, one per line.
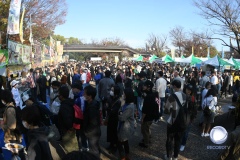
point(96, 58)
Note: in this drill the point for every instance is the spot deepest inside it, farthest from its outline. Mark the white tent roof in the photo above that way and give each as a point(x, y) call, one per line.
point(212, 61)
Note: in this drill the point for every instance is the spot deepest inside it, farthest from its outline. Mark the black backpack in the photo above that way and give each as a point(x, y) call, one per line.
point(180, 123)
point(206, 111)
point(45, 113)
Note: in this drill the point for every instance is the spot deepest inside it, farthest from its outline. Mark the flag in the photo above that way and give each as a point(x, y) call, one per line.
point(21, 26)
point(208, 52)
point(30, 36)
point(13, 17)
point(222, 53)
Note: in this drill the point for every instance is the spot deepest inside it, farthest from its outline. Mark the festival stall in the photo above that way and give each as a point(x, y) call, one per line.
point(152, 58)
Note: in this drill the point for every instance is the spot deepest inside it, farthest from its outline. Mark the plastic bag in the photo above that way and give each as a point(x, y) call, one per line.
point(55, 107)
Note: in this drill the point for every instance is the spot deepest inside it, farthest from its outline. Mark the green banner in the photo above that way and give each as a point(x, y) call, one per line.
point(3, 57)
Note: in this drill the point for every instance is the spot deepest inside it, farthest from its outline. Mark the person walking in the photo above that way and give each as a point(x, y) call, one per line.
point(161, 86)
point(174, 134)
point(125, 123)
point(148, 112)
point(113, 106)
point(104, 88)
point(208, 106)
point(91, 123)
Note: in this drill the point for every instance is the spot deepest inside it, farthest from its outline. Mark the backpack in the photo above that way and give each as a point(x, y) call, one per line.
point(78, 116)
point(88, 77)
point(97, 77)
point(45, 113)
point(180, 123)
point(19, 126)
point(206, 111)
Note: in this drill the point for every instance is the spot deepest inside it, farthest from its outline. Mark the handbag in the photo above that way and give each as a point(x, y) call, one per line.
point(54, 133)
point(206, 111)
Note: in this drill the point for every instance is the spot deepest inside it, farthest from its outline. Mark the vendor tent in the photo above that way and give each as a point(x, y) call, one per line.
point(152, 58)
point(167, 59)
point(140, 58)
point(216, 61)
point(235, 63)
point(191, 59)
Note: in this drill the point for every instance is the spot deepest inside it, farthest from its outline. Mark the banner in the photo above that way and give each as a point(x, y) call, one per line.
point(46, 52)
point(3, 57)
point(18, 53)
point(30, 36)
point(13, 18)
point(52, 47)
point(37, 61)
point(21, 27)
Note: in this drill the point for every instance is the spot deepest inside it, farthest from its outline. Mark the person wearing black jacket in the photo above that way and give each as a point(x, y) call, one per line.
point(42, 80)
point(139, 98)
point(91, 123)
point(65, 120)
point(113, 105)
point(147, 112)
point(37, 137)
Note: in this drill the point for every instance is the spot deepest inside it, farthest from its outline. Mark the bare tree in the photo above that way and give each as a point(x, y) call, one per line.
point(45, 14)
point(199, 44)
point(109, 42)
point(178, 36)
point(156, 44)
point(225, 15)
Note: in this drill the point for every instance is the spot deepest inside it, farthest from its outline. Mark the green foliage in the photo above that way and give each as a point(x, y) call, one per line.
point(4, 9)
point(79, 56)
point(73, 40)
point(59, 38)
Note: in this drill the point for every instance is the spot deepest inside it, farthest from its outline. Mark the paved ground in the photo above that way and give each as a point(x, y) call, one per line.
point(196, 148)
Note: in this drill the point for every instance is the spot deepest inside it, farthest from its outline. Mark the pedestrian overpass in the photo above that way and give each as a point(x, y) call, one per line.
point(98, 49)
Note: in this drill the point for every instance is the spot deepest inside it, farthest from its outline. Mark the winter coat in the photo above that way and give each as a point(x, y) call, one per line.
point(104, 87)
point(37, 144)
point(112, 119)
point(66, 116)
point(91, 123)
point(127, 118)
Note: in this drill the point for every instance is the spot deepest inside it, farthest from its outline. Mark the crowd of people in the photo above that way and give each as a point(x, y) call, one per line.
point(67, 104)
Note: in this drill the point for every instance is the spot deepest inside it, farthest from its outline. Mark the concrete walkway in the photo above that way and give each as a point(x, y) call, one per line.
point(196, 147)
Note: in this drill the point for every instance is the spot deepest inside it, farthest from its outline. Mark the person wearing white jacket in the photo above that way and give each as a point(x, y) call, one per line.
point(161, 86)
point(209, 101)
point(16, 94)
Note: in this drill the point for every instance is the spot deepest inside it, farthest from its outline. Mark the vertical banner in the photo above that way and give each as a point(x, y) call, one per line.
point(30, 35)
point(21, 27)
point(52, 47)
point(13, 18)
point(223, 53)
point(208, 52)
point(173, 53)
